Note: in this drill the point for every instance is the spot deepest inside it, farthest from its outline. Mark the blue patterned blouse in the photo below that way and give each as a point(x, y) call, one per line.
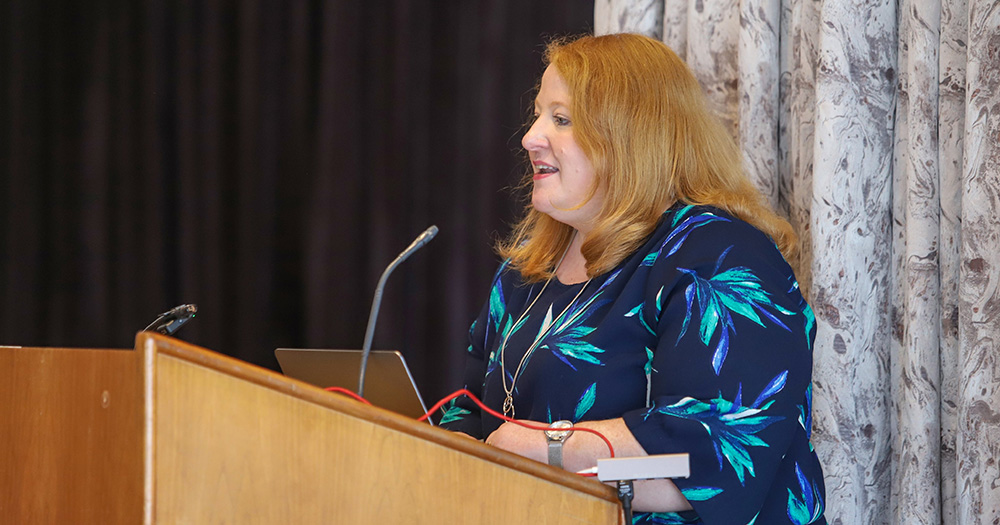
point(700, 340)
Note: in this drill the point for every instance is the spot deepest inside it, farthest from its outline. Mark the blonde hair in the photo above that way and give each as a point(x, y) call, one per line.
point(640, 117)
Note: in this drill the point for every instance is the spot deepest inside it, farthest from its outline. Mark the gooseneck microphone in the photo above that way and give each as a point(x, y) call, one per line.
point(366, 349)
point(170, 321)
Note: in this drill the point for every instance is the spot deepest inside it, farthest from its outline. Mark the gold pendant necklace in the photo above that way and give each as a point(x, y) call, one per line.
point(508, 402)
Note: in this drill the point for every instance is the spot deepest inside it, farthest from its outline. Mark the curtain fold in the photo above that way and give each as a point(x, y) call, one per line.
point(759, 80)
point(875, 128)
point(851, 228)
point(978, 436)
point(916, 370)
point(951, 144)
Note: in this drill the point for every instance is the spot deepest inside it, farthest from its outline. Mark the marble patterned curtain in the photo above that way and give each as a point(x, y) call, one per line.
point(875, 128)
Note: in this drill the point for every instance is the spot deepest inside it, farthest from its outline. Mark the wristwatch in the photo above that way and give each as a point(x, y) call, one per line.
point(556, 435)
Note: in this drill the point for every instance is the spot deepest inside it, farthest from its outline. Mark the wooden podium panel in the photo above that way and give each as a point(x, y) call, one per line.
point(191, 436)
point(70, 429)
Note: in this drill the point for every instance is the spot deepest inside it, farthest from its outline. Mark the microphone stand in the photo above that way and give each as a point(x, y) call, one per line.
point(366, 349)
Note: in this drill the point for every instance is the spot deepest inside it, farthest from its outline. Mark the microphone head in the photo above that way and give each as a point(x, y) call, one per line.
point(428, 234)
point(419, 242)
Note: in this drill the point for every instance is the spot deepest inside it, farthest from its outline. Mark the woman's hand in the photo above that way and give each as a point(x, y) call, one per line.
point(520, 440)
point(583, 449)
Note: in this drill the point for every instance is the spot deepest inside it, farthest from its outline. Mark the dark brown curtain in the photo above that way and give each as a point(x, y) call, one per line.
point(264, 160)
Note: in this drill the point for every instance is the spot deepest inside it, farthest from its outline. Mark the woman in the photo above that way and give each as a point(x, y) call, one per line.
point(645, 295)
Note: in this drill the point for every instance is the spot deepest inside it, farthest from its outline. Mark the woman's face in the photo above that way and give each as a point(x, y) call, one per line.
point(563, 175)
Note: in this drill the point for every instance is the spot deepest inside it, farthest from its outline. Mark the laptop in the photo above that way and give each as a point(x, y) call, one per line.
point(388, 383)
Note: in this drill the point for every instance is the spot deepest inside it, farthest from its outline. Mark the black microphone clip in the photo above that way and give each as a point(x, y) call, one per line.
point(172, 320)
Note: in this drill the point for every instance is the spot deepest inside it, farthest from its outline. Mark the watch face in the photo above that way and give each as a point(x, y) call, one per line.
point(557, 435)
point(559, 430)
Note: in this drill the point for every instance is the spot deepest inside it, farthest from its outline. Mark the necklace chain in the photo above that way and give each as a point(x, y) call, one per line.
point(508, 402)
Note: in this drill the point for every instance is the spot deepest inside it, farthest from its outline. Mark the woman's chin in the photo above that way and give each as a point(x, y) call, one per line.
point(541, 204)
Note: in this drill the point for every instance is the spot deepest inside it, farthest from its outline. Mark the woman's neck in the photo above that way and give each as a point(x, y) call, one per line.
point(573, 268)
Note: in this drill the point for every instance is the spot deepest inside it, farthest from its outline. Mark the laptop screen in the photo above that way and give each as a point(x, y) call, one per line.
point(388, 383)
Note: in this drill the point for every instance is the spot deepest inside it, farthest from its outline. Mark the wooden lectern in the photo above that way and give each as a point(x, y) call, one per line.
point(172, 433)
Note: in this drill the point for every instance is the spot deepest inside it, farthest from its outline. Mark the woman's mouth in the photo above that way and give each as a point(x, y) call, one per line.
point(543, 170)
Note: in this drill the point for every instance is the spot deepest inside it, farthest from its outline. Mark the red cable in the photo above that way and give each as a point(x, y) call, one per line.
point(347, 393)
point(498, 415)
point(485, 408)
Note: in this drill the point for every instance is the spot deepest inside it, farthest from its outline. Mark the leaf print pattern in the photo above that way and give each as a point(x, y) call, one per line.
point(585, 403)
point(772, 388)
point(810, 323)
point(568, 339)
point(810, 507)
point(498, 305)
point(637, 311)
point(736, 290)
point(567, 344)
point(567, 336)
point(732, 427)
point(700, 493)
point(453, 413)
point(805, 415)
point(676, 238)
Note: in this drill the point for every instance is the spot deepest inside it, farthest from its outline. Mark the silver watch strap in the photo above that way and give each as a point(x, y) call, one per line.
point(555, 453)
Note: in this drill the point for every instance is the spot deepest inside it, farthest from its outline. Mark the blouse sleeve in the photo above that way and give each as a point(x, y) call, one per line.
point(732, 365)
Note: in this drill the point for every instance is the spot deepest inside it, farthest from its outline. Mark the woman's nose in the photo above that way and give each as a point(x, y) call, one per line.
point(534, 139)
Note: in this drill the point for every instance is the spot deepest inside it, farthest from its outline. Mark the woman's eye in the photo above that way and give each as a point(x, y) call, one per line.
point(561, 121)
